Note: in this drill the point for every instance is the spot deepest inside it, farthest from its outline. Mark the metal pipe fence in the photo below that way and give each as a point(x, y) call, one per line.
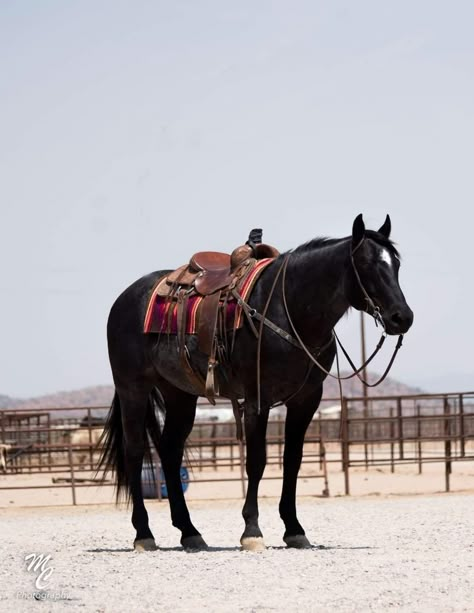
point(367, 432)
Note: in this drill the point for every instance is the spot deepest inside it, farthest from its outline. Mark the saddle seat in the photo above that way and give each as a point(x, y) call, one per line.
point(211, 261)
point(211, 271)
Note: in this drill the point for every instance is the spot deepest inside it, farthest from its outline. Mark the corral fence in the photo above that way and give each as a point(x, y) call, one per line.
point(374, 431)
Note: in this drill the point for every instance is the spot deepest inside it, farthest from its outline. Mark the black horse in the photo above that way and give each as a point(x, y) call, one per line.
point(322, 279)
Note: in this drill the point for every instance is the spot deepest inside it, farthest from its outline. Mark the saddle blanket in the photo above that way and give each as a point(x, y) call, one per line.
point(162, 313)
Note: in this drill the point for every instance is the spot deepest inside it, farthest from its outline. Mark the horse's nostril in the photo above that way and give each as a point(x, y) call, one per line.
point(397, 318)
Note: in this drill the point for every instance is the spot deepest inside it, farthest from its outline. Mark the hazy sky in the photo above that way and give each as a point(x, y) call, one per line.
point(131, 132)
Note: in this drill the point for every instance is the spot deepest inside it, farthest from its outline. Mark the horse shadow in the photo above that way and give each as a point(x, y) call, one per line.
point(218, 549)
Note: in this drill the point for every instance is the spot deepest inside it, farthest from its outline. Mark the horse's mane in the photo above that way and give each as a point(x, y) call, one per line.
point(324, 241)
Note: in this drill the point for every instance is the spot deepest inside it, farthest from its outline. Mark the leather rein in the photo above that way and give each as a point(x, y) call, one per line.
point(296, 340)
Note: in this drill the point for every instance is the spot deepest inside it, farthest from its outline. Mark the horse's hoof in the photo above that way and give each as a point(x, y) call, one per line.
point(194, 543)
point(252, 543)
point(145, 545)
point(297, 541)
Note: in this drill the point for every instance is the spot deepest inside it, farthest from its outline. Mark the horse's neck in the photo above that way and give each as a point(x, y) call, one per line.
point(316, 290)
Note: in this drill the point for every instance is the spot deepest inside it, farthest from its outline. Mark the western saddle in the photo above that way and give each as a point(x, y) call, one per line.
point(216, 278)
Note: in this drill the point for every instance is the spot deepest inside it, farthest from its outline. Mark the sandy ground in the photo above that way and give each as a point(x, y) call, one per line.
point(377, 481)
point(406, 554)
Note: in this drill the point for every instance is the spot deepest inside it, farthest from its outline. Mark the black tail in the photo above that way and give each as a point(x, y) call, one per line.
point(111, 441)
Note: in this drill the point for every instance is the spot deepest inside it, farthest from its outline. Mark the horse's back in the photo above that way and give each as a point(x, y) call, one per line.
point(135, 298)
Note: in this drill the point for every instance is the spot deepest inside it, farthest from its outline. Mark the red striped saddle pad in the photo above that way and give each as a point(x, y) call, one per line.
point(162, 313)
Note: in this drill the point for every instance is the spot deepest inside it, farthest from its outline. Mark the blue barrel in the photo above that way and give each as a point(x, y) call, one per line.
point(149, 481)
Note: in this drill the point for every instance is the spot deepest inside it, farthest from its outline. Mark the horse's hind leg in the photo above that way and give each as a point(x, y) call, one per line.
point(179, 420)
point(134, 406)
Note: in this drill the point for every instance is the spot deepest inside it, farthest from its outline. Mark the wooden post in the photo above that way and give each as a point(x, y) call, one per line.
point(365, 390)
point(73, 480)
point(2, 422)
point(462, 426)
point(418, 439)
point(320, 434)
point(447, 443)
point(280, 443)
point(392, 437)
point(242, 467)
point(155, 461)
point(322, 455)
point(200, 446)
point(89, 426)
point(48, 421)
point(345, 444)
point(400, 428)
point(214, 445)
point(40, 449)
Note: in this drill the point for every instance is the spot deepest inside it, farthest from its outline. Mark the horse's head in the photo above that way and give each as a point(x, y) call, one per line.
point(373, 277)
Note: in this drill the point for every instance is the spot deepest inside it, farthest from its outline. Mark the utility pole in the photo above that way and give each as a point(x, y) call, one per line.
point(365, 389)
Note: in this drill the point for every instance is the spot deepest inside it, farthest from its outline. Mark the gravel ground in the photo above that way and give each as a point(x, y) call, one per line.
point(406, 554)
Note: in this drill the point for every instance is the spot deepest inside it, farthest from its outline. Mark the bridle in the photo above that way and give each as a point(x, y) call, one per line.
point(297, 341)
point(375, 310)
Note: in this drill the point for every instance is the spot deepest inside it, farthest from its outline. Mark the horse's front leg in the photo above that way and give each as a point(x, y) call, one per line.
point(298, 418)
point(255, 431)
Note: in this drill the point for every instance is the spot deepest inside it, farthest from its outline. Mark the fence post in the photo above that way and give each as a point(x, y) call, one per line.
point(280, 443)
point(71, 468)
point(40, 444)
point(214, 445)
point(366, 431)
point(242, 467)
point(155, 461)
point(322, 459)
point(345, 444)
point(392, 438)
point(2, 422)
point(400, 428)
point(89, 426)
point(201, 428)
point(48, 421)
point(462, 425)
point(418, 439)
point(320, 436)
point(447, 443)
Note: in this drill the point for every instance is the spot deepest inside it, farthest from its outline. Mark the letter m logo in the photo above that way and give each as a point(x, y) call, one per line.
point(38, 564)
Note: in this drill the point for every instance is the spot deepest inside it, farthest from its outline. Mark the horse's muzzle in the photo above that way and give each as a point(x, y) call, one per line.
point(398, 320)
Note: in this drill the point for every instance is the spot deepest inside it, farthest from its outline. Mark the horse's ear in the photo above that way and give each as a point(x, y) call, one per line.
point(386, 228)
point(358, 230)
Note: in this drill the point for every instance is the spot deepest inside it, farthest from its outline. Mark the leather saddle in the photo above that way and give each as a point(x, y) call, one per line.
point(216, 277)
point(210, 271)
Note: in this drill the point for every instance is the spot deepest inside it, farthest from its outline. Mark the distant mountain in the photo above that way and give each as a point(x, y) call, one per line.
point(354, 388)
point(96, 396)
point(7, 403)
point(101, 395)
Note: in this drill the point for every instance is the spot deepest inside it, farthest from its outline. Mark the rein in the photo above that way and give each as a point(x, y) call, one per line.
point(375, 314)
point(298, 342)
